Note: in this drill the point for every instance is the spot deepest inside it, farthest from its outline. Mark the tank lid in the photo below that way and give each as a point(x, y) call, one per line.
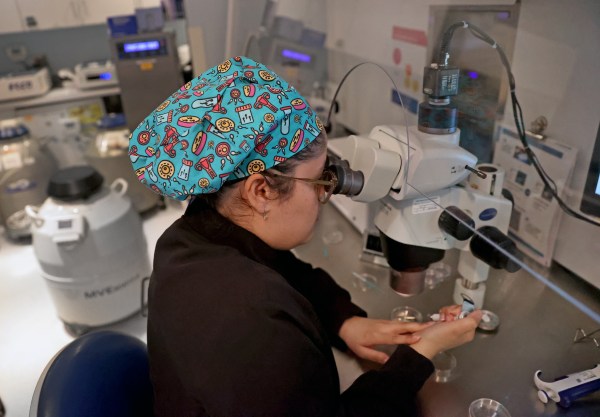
point(13, 132)
point(74, 183)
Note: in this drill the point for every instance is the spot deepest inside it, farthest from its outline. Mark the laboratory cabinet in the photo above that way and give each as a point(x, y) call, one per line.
point(10, 19)
point(23, 15)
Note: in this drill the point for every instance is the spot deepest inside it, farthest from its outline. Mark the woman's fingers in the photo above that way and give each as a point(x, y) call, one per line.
point(399, 327)
point(371, 354)
point(404, 339)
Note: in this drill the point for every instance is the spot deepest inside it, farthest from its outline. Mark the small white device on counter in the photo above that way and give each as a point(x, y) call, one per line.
point(26, 84)
point(90, 245)
point(95, 74)
point(92, 74)
point(568, 388)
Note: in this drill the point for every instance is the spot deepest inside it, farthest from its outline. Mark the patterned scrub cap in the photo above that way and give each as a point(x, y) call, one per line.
point(234, 120)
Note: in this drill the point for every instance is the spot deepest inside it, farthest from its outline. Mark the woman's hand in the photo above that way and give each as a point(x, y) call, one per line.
point(450, 313)
point(447, 335)
point(361, 334)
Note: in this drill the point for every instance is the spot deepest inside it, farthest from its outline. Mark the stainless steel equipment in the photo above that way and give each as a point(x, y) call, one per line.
point(25, 167)
point(108, 154)
point(148, 70)
point(90, 244)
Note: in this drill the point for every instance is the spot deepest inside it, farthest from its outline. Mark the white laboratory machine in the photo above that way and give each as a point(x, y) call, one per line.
point(90, 245)
point(430, 195)
point(25, 84)
point(92, 74)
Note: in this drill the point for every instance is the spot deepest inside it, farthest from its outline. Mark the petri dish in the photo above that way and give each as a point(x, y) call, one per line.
point(489, 321)
point(364, 282)
point(406, 314)
point(486, 407)
point(437, 273)
point(332, 237)
point(444, 363)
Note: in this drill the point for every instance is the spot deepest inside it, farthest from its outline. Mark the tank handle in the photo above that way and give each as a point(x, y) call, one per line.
point(123, 186)
point(32, 212)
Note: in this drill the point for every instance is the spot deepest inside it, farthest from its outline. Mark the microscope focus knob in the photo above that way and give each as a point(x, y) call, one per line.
point(453, 220)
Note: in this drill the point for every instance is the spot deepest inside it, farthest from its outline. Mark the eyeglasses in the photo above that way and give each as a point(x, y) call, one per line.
point(324, 185)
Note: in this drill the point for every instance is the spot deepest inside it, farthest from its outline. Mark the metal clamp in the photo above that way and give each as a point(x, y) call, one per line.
point(580, 335)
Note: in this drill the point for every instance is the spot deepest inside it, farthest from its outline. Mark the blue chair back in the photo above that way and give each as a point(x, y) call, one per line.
point(103, 373)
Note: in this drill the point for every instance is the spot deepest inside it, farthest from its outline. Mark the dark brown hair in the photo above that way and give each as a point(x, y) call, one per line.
point(281, 185)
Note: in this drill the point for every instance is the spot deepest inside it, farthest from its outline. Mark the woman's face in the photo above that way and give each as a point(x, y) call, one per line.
point(292, 219)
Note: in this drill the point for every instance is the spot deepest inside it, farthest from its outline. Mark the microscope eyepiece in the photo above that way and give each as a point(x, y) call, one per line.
point(349, 182)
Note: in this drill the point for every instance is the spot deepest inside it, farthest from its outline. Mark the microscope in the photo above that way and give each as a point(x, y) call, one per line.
point(430, 194)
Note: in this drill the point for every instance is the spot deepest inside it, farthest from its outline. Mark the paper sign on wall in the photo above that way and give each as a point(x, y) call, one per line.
point(536, 214)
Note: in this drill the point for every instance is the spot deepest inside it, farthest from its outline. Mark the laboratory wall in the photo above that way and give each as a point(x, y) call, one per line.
point(392, 34)
point(554, 64)
point(63, 48)
point(67, 47)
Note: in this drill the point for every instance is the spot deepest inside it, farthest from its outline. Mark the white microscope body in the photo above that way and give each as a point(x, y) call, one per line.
point(413, 179)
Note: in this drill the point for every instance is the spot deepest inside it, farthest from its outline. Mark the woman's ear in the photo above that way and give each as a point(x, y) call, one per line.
point(258, 192)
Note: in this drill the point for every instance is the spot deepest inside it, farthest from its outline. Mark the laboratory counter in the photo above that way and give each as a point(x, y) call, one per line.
point(55, 97)
point(536, 330)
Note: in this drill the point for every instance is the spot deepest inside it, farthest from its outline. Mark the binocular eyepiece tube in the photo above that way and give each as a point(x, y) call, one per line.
point(349, 182)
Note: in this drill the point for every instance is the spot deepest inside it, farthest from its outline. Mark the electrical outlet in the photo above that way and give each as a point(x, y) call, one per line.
point(16, 53)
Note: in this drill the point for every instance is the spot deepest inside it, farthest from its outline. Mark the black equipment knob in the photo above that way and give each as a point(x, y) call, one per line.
point(452, 221)
point(490, 254)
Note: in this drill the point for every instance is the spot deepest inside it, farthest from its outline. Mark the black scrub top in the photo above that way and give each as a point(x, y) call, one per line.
point(236, 328)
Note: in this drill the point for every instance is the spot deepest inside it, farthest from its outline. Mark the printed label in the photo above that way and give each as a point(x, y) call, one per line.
point(426, 205)
point(11, 160)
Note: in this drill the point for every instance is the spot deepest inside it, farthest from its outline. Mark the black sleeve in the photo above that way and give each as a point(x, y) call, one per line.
point(392, 390)
point(331, 302)
point(268, 359)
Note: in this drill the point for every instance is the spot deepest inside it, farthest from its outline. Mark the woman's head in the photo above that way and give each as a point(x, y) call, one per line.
point(279, 205)
point(234, 120)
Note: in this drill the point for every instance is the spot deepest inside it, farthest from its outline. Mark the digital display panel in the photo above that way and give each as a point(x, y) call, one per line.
point(141, 46)
point(65, 224)
point(141, 49)
point(298, 56)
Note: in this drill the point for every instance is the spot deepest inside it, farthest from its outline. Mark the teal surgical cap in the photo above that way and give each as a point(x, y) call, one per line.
point(234, 120)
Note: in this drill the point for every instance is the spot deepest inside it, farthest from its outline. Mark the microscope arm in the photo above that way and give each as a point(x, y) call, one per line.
point(389, 162)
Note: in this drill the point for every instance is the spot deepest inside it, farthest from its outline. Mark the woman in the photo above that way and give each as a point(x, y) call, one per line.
point(237, 325)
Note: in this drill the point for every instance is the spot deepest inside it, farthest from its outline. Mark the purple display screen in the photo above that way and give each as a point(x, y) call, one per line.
point(298, 56)
point(141, 46)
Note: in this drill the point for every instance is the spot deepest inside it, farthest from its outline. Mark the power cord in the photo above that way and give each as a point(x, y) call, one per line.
point(517, 111)
point(331, 106)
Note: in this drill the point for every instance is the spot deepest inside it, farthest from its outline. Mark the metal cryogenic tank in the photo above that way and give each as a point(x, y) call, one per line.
point(90, 245)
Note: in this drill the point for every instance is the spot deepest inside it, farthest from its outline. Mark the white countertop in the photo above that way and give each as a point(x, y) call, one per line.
point(31, 331)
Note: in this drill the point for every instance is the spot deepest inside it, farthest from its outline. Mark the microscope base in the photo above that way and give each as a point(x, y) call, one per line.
point(476, 295)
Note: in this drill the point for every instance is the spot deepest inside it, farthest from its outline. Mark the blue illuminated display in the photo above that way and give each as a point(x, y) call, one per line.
point(105, 76)
point(141, 46)
point(298, 56)
point(473, 74)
